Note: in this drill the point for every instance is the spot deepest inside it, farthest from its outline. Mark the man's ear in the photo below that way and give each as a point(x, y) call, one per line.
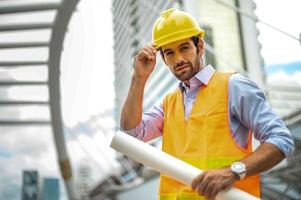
point(201, 46)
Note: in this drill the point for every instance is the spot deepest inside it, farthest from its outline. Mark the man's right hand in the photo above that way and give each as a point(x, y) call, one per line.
point(145, 62)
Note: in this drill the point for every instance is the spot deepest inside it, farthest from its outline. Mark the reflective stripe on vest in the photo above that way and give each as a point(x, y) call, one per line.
point(204, 140)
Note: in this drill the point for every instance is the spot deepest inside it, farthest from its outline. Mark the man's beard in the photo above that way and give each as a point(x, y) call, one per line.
point(189, 72)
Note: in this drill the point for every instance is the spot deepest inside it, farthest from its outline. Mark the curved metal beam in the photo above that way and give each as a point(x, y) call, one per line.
point(56, 44)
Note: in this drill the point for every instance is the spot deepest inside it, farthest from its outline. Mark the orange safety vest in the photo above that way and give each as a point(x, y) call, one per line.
point(204, 140)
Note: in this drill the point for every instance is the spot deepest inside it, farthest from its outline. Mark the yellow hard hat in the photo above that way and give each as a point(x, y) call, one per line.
point(174, 25)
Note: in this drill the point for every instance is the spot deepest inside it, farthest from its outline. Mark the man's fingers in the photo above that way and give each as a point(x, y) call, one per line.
point(214, 193)
point(202, 187)
point(154, 46)
point(144, 54)
point(211, 182)
point(150, 50)
point(209, 190)
point(196, 181)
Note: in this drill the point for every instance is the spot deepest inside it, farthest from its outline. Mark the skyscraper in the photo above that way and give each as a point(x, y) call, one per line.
point(231, 35)
point(50, 189)
point(30, 185)
point(84, 179)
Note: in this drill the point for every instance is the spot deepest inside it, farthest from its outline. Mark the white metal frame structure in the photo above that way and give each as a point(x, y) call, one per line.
point(56, 45)
point(64, 10)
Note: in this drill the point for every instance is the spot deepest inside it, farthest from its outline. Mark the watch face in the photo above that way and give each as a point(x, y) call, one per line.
point(238, 167)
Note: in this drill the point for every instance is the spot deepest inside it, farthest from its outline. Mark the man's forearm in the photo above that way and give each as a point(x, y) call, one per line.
point(132, 108)
point(265, 157)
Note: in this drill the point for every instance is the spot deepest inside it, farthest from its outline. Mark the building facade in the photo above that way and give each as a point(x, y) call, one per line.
point(30, 185)
point(51, 189)
point(84, 179)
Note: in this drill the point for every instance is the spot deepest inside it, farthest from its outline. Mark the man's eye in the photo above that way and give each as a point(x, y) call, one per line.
point(184, 48)
point(169, 53)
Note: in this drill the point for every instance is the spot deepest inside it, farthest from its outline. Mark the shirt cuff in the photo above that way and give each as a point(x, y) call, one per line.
point(134, 131)
point(286, 146)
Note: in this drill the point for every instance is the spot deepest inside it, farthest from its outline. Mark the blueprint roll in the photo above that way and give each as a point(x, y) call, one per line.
point(167, 164)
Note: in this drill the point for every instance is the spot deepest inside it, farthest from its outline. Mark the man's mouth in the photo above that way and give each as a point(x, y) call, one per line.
point(180, 68)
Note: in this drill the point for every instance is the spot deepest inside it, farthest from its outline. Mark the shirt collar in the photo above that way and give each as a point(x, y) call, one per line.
point(202, 77)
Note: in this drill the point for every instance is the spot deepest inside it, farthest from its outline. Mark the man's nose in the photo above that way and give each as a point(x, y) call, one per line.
point(178, 59)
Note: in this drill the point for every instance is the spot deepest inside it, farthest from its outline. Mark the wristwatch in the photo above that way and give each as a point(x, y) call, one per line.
point(239, 169)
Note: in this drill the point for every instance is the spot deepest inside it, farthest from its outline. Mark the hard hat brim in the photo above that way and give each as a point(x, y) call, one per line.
point(180, 35)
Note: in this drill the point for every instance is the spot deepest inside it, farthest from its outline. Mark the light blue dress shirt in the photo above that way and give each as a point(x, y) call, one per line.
point(248, 110)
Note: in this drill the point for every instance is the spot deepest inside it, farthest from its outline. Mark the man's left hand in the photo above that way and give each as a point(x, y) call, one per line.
point(211, 182)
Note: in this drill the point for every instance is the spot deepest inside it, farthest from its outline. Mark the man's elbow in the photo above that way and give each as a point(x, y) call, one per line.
point(124, 126)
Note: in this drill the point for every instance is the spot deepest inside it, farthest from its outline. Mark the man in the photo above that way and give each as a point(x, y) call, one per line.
point(208, 120)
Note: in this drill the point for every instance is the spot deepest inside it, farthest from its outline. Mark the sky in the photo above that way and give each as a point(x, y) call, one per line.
point(285, 15)
point(87, 90)
point(282, 55)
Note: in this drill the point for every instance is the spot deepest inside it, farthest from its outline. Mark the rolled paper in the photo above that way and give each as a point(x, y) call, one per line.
point(167, 164)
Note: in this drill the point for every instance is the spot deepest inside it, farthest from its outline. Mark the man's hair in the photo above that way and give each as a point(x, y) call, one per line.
point(195, 39)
